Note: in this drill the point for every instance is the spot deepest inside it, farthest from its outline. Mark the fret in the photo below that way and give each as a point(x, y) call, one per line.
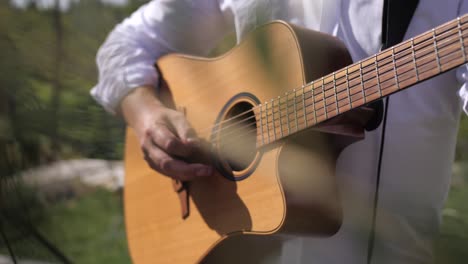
point(423, 68)
point(397, 83)
point(377, 75)
point(287, 112)
point(261, 125)
point(267, 126)
point(272, 107)
point(362, 82)
point(436, 51)
point(347, 88)
point(280, 113)
point(295, 111)
point(303, 106)
point(313, 102)
point(336, 94)
point(414, 60)
point(324, 101)
point(461, 38)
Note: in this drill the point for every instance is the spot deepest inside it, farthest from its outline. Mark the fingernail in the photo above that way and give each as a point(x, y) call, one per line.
point(204, 172)
point(192, 140)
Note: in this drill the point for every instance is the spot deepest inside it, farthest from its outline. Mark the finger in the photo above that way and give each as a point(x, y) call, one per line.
point(184, 171)
point(183, 129)
point(165, 139)
point(160, 161)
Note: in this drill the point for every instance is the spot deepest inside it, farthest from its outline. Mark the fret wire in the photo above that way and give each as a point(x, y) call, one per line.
point(394, 47)
point(436, 49)
point(461, 38)
point(377, 75)
point(336, 95)
point(295, 111)
point(417, 73)
point(397, 83)
point(287, 112)
point(280, 114)
point(347, 88)
point(272, 107)
point(261, 125)
point(362, 82)
point(324, 101)
point(313, 102)
point(303, 106)
point(414, 60)
point(267, 126)
point(347, 70)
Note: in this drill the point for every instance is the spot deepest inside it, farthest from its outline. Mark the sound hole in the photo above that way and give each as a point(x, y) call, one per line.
point(237, 139)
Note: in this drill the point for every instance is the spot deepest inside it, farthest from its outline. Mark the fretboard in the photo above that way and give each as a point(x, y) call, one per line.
point(385, 73)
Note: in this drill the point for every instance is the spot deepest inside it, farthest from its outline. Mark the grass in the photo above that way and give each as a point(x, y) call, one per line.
point(452, 244)
point(89, 229)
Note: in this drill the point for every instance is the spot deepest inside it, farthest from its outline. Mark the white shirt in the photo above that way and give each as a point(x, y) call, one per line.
point(421, 127)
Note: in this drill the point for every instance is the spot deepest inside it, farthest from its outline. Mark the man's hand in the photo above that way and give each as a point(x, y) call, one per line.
point(165, 136)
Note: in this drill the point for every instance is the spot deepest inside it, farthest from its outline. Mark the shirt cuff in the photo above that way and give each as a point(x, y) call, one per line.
point(111, 90)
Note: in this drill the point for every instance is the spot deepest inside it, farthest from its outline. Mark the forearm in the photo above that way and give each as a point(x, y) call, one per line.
point(139, 105)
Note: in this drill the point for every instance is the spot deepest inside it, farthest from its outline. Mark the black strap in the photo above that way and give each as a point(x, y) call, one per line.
point(397, 15)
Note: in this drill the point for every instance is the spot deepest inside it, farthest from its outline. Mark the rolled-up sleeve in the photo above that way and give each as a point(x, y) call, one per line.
point(126, 59)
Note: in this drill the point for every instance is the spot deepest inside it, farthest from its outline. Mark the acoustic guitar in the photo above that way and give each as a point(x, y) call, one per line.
point(274, 113)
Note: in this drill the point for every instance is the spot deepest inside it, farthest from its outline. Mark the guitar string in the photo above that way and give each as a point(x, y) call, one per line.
point(298, 99)
point(444, 27)
point(383, 74)
point(426, 43)
point(430, 48)
point(430, 63)
point(425, 71)
point(386, 70)
point(406, 74)
point(301, 122)
point(409, 76)
point(304, 117)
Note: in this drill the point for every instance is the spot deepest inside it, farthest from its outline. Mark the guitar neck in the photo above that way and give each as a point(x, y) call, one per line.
point(392, 70)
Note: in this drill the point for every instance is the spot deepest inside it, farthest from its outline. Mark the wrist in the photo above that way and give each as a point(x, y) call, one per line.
point(139, 105)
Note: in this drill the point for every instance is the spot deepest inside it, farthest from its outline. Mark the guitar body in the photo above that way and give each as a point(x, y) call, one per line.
point(287, 187)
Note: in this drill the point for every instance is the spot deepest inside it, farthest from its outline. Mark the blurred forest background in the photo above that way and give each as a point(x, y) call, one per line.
point(47, 67)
